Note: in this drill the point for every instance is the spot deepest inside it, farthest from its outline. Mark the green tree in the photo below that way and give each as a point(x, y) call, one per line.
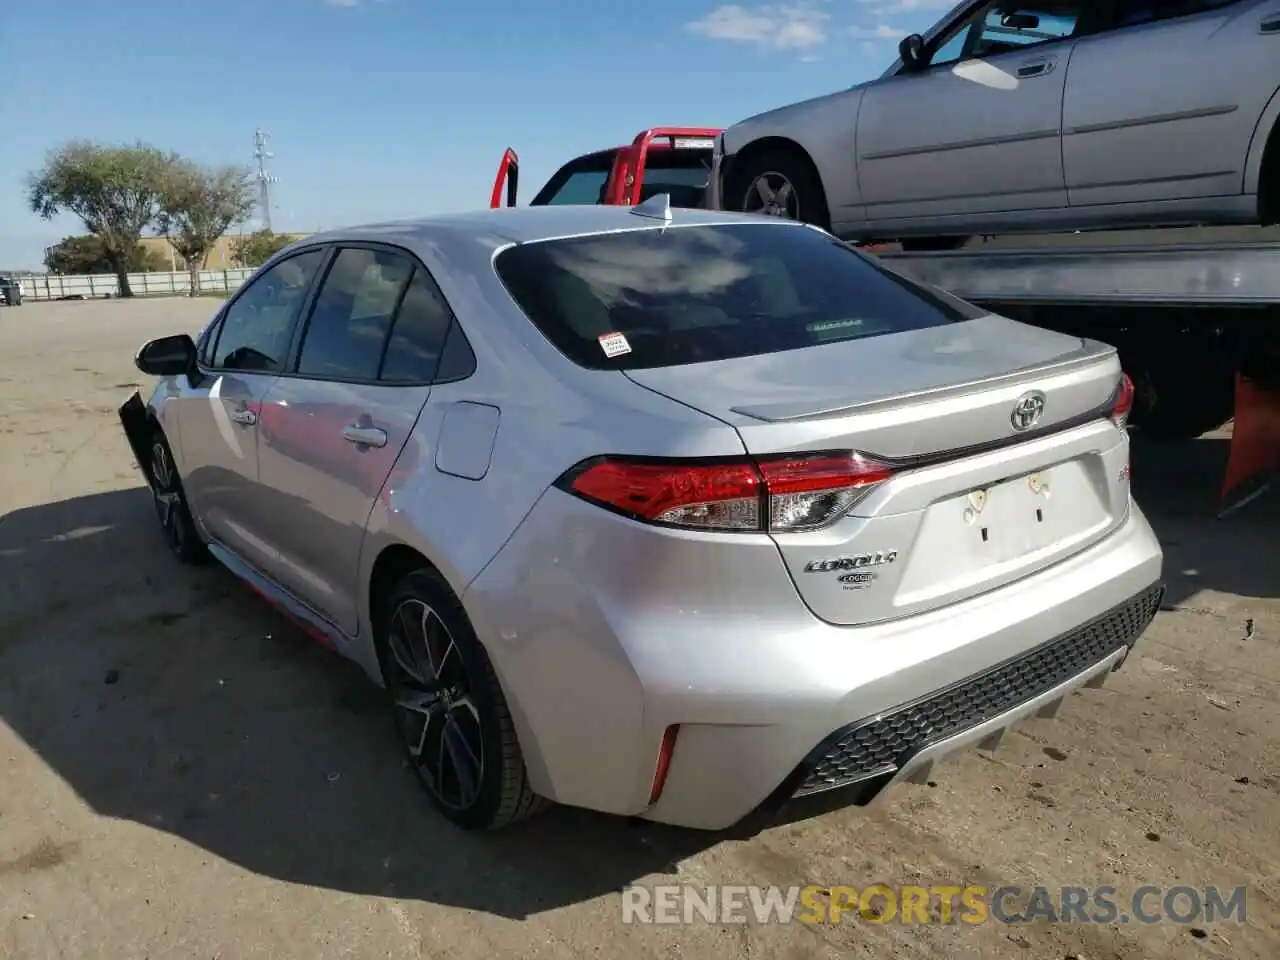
point(258, 247)
point(198, 206)
point(80, 255)
point(114, 189)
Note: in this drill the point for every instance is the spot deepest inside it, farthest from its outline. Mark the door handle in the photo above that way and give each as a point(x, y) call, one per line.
point(243, 415)
point(365, 436)
point(1270, 24)
point(1037, 69)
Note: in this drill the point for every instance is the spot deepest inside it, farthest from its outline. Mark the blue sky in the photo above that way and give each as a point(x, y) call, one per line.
point(396, 108)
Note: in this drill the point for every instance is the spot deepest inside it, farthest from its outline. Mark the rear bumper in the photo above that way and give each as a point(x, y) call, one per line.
point(599, 657)
point(861, 760)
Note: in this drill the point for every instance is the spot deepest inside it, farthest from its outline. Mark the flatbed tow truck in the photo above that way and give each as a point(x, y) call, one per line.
point(1194, 312)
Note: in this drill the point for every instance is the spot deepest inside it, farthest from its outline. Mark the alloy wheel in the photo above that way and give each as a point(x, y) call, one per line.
point(773, 195)
point(434, 710)
point(167, 496)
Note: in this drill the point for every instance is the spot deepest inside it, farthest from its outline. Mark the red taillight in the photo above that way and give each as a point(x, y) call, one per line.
point(1123, 402)
point(780, 494)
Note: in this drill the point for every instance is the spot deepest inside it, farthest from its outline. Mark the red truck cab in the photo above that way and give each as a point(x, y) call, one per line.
point(671, 160)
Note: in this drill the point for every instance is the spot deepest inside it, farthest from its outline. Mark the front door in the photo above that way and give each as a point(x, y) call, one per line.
point(335, 425)
point(977, 130)
point(219, 421)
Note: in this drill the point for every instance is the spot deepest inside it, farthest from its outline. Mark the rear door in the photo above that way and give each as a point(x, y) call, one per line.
point(1163, 104)
point(219, 423)
point(335, 424)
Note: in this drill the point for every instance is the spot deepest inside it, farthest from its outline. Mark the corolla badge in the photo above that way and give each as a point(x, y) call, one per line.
point(1027, 410)
point(855, 562)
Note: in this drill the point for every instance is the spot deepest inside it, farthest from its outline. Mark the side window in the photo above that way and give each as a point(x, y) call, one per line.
point(1000, 27)
point(1134, 13)
point(581, 187)
point(256, 328)
point(418, 337)
point(348, 326)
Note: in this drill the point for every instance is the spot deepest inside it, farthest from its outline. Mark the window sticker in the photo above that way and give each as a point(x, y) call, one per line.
point(614, 344)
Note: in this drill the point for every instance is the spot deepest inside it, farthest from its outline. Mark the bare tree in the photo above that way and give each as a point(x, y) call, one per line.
point(199, 205)
point(114, 189)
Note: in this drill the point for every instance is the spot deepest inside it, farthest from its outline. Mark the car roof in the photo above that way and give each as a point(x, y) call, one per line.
point(503, 226)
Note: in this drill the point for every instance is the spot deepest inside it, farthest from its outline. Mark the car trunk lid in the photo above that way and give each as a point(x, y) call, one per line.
point(1005, 461)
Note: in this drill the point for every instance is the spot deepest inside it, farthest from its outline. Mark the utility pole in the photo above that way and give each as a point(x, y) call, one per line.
point(262, 155)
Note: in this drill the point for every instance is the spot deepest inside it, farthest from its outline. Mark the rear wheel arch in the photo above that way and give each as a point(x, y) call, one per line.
point(752, 153)
point(395, 562)
point(1269, 178)
point(1262, 166)
point(402, 573)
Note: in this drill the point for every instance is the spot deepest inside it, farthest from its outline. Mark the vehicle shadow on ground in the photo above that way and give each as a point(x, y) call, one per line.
point(172, 697)
point(1178, 484)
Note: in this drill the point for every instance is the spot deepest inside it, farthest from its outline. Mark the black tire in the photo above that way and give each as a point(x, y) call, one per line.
point(806, 201)
point(170, 502)
point(449, 709)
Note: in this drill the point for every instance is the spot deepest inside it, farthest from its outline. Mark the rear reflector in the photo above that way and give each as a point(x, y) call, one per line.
point(1122, 403)
point(664, 762)
point(779, 494)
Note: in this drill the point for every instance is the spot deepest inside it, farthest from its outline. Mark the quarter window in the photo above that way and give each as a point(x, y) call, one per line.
point(348, 327)
point(417, 339)
point(255, 331)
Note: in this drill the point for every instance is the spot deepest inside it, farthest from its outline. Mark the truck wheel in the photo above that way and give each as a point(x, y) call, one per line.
point(780, 183)
point(449, 708)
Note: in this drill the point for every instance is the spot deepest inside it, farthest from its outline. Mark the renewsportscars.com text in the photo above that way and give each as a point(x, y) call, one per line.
point(936, 904)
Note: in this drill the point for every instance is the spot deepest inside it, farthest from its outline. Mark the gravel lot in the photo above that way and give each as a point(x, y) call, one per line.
point(184, 775)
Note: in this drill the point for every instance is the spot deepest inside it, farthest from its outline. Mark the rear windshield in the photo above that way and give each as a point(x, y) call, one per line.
point(696, 294)
point(682, 173)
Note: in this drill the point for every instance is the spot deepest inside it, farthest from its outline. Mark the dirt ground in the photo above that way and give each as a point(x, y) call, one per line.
point(183, 775)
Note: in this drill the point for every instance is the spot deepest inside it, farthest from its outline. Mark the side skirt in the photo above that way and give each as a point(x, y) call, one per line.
point(310, 622)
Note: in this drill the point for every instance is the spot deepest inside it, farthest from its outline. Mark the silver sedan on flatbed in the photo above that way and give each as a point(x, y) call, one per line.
point(1030, 116)
point(677, 514)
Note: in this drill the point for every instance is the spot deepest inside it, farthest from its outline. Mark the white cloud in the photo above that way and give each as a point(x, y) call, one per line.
point(781, 27)
point(890, 7)
point(881, 32)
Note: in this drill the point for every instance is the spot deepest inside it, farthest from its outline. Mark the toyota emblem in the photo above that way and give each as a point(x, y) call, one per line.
point(1027, 410)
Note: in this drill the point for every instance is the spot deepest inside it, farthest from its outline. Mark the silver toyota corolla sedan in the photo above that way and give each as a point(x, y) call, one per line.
point(1012, 116)
point(676, 514)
